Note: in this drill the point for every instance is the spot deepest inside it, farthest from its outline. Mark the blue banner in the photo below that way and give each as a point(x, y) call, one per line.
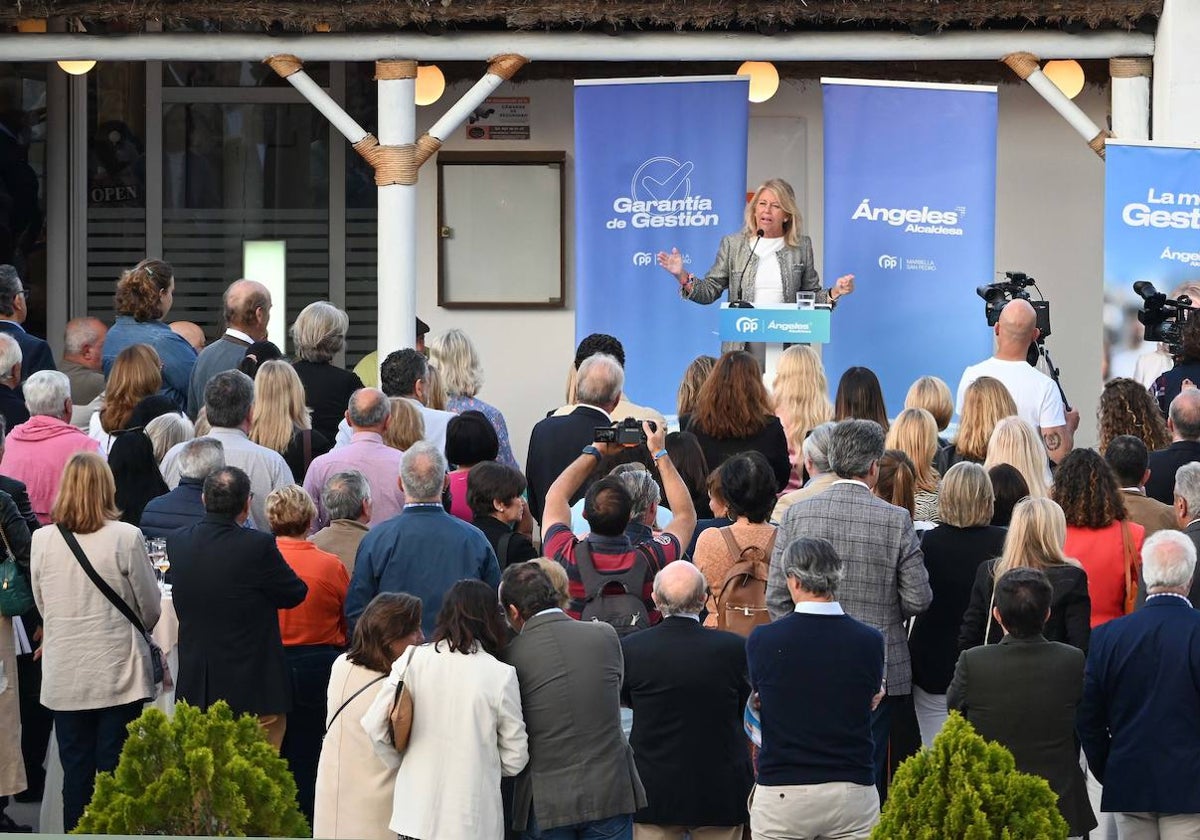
point(658, 164)
point(1151, 232)
point(910, 210)
point(775, 324)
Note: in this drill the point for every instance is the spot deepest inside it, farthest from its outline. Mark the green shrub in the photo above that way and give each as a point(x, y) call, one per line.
point(967, 788)
point(200, 773)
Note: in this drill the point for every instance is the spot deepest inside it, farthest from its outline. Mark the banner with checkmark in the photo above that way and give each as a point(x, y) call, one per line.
point(659, 163)
point(910, 210)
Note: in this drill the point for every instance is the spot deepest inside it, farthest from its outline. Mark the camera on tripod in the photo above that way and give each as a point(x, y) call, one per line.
point(998, 295)
point(1163, 318)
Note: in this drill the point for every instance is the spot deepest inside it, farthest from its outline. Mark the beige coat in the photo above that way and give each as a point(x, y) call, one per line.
point(12, 767)
point(92, 656)
point(341, 537)
point(354, 786)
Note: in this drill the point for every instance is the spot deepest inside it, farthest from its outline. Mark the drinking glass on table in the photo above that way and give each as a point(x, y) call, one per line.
point(156, 549)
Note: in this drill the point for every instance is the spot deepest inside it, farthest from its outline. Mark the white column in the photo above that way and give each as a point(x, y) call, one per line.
point(1177, 73)
point(1130, 97)
point(396, 262)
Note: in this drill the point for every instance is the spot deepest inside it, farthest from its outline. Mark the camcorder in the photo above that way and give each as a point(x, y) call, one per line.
point(627, 432)
point(1163, 318)
point(998, 295)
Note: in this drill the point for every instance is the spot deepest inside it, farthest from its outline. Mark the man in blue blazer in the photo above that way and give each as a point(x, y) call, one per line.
point(35, 352)
point(1139, 721)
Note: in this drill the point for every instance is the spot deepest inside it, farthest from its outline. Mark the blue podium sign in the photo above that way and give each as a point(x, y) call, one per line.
point(775, 324)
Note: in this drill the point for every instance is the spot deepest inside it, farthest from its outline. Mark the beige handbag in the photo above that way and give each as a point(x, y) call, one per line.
point(401, 715)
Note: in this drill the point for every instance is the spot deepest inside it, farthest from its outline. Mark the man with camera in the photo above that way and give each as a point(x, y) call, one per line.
point(606, 558)
point(1036, 395)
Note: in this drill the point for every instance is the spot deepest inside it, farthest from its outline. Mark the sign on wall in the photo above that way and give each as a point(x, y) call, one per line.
point(500, 118)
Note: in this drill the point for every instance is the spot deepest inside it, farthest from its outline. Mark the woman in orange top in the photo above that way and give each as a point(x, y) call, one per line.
point(314, 634)
point(748, 485)
point(1098, 530)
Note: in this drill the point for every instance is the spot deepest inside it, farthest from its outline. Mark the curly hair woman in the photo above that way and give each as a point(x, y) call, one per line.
point(1126, 408)
point(1099, 533)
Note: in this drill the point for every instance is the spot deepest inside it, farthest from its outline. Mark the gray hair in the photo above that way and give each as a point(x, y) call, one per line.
point(816, 446)
point(814, 564)
point(600, 380)
point(344, 494)
point(319, 331)
point(642, 488)
point(1168, 560)
point(167, 430)
point(368, 408)
point(10, 354)
point(79, 333)
point(228, 397)
point(47, 392)
point(423, 472)
point(1185, 414)
point(10, 287)
point(201, 457)
point(853, 446)
point(673, 597)
point(1187, 486)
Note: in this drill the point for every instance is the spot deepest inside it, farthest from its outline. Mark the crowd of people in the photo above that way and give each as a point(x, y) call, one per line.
point(740, 625)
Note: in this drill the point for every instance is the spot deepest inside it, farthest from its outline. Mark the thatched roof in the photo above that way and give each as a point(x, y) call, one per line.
point(763, 15)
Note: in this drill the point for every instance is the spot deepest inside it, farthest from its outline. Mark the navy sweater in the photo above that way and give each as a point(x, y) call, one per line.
point(816, 676)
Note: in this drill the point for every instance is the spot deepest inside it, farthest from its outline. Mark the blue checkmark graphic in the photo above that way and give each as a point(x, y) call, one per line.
point(665, 189)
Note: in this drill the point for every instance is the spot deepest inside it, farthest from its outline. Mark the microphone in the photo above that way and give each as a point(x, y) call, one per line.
point(742, 276)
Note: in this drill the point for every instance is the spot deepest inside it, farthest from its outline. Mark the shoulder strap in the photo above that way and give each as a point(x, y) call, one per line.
point(351, 698)
point(730, 543)
point(105, 589)
point(594, 581)
point(769, 548)
point(1130, 552)
point(306, 437)
point(591, 579)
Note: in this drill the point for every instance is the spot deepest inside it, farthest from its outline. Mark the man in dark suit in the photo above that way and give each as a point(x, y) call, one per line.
point(1183, 421)
point(687, 687)
point(1024, 693)
point(1186, 511)
point(1140, 716)
point(886, 580)
point(35, 352)
point(555, 442)
point(229, 584)
point(581, 775)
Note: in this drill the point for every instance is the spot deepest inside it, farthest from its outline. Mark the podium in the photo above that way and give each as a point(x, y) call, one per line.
point(779, 324)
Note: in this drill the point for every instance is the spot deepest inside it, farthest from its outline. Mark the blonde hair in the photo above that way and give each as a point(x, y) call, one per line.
point(279, 407)
point(985, 403)
point(787, 202)
point(319, 331)
point(406, 426)
point(1016, 443)
point(801, 393)
point(693, 380)
point(558, 578)
point(87, 495)
point(933, 395)
point(435, 388)
point(1035, 538)
point(167, 430)
point(458, 362)
point(135, 375)
point(203, 427)
point(966, 499)
point(914, 433)
point(290, 511)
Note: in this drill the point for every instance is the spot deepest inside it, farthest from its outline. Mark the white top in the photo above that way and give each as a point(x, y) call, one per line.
point(96, 432)
point(435, 425)
point(1036, 395)
point(768, 280)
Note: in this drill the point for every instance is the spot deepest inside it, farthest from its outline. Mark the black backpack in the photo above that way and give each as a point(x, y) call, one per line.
point(624, 610)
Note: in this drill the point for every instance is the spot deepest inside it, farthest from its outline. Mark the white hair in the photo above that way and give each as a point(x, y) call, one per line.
point(1168, 560)
point(600, 380)
point(10, 354)
point(47, 392)
point(1187, 486)
point(423, 472)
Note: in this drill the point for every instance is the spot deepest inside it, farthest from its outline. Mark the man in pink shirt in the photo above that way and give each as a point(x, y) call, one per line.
point(368, 415)
point(37, 450)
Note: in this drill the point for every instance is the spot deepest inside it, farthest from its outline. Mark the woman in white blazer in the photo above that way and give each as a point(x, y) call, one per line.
point(354, 788)
point(467, 729)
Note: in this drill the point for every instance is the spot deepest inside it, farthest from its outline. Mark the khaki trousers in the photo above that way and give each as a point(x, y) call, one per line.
point(1142, 826)
point(273, 726)
point(830, 811)
point(645, 831)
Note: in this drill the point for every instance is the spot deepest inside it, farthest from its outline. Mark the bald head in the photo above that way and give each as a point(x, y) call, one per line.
point(1017, 326)
point(189, 332)
point(680, 589)
point(248, 308)
point(369, 410)
point(1184, 415)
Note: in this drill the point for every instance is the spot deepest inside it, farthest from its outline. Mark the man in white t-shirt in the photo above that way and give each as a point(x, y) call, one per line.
point(1036, 395)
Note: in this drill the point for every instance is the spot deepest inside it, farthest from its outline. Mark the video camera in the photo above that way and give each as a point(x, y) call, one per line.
point(998, 295)
point(1163, 318)
point(627, 432)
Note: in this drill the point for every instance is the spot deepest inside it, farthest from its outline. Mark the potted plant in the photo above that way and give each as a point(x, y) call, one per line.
point(199, 773)
point(966, 788)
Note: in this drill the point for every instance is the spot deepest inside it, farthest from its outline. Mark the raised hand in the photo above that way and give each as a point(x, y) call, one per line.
point(844, 285)
point(672, 262)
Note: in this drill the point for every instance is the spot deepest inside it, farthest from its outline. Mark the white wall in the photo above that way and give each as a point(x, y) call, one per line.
point(1049, 224)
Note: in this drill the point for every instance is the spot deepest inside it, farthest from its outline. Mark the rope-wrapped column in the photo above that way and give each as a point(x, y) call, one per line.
point(1026, 66)
point(394, 159)
point(1131, 97)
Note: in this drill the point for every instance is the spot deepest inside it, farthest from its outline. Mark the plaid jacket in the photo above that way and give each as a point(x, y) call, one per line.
point(885, 580)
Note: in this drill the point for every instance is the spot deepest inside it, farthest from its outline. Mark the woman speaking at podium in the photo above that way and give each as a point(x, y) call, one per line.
point(772, 229)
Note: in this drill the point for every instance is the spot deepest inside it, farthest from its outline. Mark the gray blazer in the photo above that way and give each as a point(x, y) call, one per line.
point(571, 671)
point(885, 580)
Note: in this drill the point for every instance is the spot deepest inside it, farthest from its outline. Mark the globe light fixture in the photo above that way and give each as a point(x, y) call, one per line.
point(431, 84)
point(76, 68)
point(1067, 76)
point(764, 79)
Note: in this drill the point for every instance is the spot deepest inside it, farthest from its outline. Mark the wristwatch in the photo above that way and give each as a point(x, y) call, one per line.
point(591, 450)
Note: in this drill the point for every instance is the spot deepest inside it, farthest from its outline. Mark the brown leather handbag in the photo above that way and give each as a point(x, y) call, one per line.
point(401, 715)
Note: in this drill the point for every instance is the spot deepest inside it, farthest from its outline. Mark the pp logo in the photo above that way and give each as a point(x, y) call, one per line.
point(746, 325)
point(643, 258)
point(888, 262)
